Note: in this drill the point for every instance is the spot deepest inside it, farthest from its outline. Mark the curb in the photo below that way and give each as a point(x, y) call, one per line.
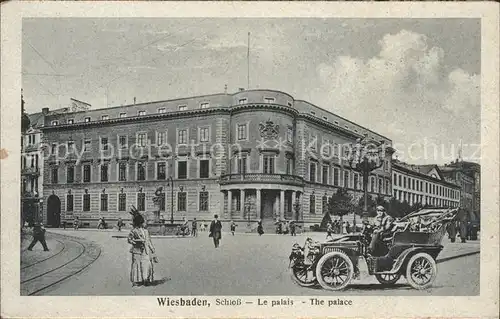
point(457, 256)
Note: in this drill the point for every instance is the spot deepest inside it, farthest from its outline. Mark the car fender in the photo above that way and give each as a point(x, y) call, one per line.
point(405, 256)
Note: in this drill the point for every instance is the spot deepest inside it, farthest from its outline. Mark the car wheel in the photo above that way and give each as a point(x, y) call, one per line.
point(421, 271)
point(334, 271)
point(303, 276)
point(387, 279)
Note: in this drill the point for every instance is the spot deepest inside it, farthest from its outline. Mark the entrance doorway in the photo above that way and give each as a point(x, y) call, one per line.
point(268, 209)
point(53, 211)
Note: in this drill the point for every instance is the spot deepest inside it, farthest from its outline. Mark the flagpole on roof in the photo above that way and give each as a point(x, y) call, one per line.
point(248, 62)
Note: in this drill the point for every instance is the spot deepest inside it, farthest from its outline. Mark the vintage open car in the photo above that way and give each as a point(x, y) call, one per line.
point(409, 250)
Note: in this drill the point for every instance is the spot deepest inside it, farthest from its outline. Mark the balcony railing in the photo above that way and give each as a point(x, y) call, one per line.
point(30, 171)
point(31, 147)
point(261, 178)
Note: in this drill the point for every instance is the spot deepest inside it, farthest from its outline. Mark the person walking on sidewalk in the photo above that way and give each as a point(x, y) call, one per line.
point(260, 229)
point(38, 236)
point(76, 223)
point(120, 224)
point(233, 227)
point(216, 230)
point(292, 228)
point(194, 228)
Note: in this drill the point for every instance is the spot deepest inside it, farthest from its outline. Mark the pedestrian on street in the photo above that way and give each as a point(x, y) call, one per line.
point(329, 230)
point(233, 227)
point(194, 228)
point(292, 228)
point(260, 229)
point(76, 223)
point(102, 223)
point(216, 230)
point(38, 236)
point(120, 224)
point(143, 252)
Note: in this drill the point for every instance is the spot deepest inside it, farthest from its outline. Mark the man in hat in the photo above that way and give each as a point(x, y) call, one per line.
point(38, 236)
point(216, 230)
point(383, 226)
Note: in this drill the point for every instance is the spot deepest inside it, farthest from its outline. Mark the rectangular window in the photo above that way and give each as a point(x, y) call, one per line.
point(54, 175)
point(53, 149)
point(71, 121)
point(372, 184)
point(269, 164)
point(141, 202)
point(86, 173)
point(204, 105)
point(71, 147)
point(86, 202)
point(142, 113)
point(387, 187)
point(122, 141)
point(356, 180)
point(86, 119)
point(312, 172)
point(104, 202)
point(141, 171)
point(104, 172)
point(242, 132)
point(87, 145)
point(204, 201)
point(104, 143)
point(395, 179)
point(242, 101)
point(380, 185)
point(399, 181)
point(289, 135)
point(182, 107)
point(242, 164)
point(122, 202)
point(123, 114)
point(105, 117)
point(289, 166)
point(204, 133)
point(336, 179)
point(70, 174)
point(346, 179)
point(269, 100)
point(404, 182)
point(204, 168)
point(161, 171)
point(182, 136)
point(141, 139)
point(181, 201)
point(325, 174)
point(182, 169)
point(69, 203)
point(312, 205)
point(122, 172)
point(413, 184)
point(162, 110)
point(161, 138)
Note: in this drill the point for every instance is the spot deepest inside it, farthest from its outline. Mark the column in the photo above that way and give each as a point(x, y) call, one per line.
point(242, 201)
point(222, 204)
point(257, 202)
point(229, 203)
point(294, 199)
point(282, 205)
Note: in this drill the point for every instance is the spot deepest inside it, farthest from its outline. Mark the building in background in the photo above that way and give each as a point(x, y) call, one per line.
point(423, 184)
point(245, 156)
point(468, 176)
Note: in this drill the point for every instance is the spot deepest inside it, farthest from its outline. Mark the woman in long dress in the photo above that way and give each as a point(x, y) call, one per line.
point(143, 252)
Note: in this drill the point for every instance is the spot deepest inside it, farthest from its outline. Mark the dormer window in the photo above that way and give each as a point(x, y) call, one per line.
point(347, 127)
point(204, 105)
point(182, 107)
point(71, 121)
point(336, 122)
point(289, 104)
point(123, 114)
point(54, 123)
point(269, 100)
point(313, 113)
point(142, 113)
point(162, 110)
point(242, 101)
point(86, 119)
point(105, 117)
point(324, 118)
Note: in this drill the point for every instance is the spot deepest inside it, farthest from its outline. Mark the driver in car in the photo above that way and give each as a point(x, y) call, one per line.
point(382, 228)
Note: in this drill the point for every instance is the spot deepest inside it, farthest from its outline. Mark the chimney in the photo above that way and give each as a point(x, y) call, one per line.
point(134, 100)
point(225, 88)
point(45, 110)
point(242, 89)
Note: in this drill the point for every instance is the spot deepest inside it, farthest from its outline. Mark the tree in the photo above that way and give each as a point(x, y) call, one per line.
point(341, 203)
point(371, 205)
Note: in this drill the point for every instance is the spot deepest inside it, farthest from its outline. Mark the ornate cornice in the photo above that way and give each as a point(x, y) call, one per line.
point(264, 106)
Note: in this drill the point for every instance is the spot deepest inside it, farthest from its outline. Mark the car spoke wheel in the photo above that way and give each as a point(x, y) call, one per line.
point(334, 271)
point(421, 271)
point(387, 279)
point(303, 275)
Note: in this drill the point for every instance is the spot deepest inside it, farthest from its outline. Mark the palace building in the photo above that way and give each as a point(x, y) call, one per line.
point(254, 154)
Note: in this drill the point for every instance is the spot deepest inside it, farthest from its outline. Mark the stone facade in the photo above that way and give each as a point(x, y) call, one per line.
point(253, 152)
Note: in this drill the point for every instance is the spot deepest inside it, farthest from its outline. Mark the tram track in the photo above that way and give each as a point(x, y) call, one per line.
point(55, 255)
point(89, 252)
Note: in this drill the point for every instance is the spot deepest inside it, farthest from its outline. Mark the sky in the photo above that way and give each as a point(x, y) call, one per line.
point(415, 81)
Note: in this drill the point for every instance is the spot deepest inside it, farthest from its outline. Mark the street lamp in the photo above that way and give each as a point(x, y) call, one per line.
point(170, 182)
point(364, 157)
